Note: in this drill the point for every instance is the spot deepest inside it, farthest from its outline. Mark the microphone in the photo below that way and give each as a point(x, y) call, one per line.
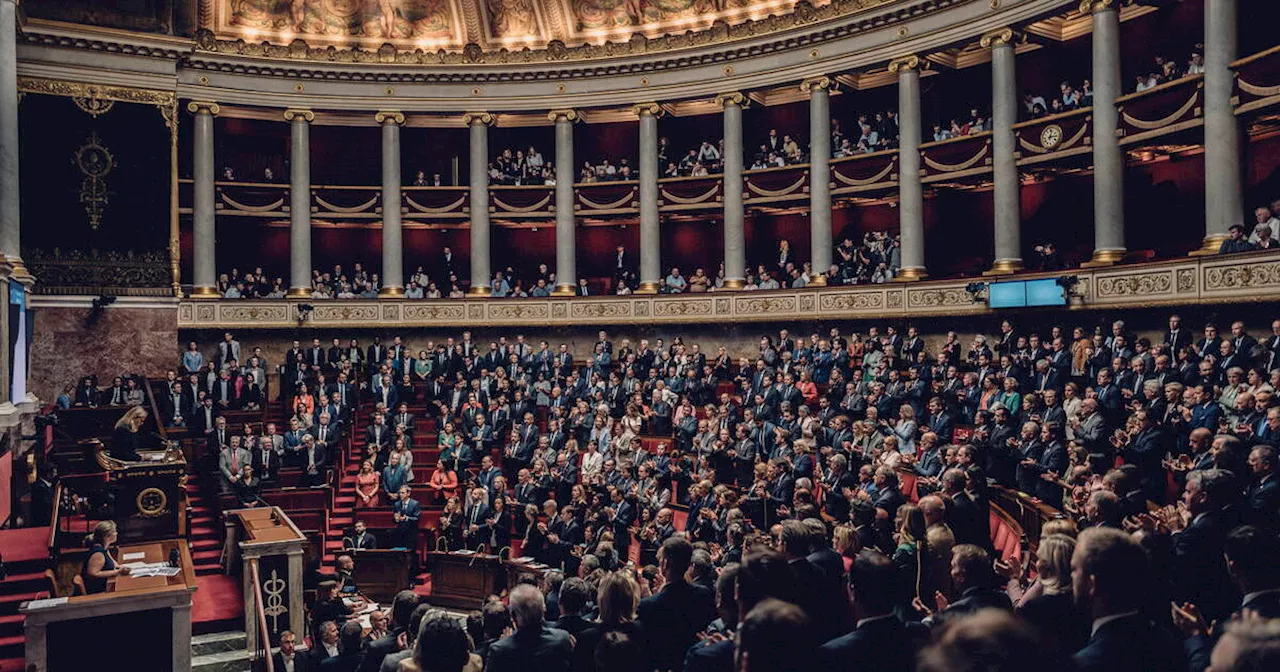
point(174, 557)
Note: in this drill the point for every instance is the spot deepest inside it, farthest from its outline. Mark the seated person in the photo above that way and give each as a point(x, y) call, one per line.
point(347, 575)
point(330, 606)
point(249, 487)
point(99, 566)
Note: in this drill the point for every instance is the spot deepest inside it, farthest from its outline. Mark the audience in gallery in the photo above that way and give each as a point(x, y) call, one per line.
point(865, 461)
point(957, 128)
point(1071, 97)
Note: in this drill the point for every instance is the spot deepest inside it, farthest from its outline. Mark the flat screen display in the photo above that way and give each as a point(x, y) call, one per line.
point(1007, 295)
point(1045, 293)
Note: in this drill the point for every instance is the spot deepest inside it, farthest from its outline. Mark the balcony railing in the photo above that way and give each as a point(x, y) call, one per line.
point(1148, 116)
point(1236, 278)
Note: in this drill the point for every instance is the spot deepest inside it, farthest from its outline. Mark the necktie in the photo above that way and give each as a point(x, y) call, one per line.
point(235, 461)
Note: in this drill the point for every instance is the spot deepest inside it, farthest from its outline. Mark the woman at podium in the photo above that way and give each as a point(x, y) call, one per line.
point(127, 438)
point(99, 565)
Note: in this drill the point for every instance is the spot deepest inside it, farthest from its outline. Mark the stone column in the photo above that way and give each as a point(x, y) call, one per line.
point(10, 214)
point(1004, 114)
point(910, 191)
point(819, 89)
point(566, 234)
point(1224, 201)
point(735, 246)
point(478, 123)
point(203, 261)
point(299, 202)
point(1108, 160)
point(650, 239)
point(392, 245)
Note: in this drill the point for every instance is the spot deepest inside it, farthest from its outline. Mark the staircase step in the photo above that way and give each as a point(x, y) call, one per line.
point(204, 530)
point(212, 555)
point(11, 624)
point(24, 582)
point(207, 569)
point(218, 642)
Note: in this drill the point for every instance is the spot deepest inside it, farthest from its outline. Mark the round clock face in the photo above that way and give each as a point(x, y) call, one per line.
point(152, 502)
point(1051, 136)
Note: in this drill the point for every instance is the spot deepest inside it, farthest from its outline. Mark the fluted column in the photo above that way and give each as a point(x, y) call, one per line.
point(203, 261)
point(1004, 114)
point(819, 89)
point(1108, 161)
point(392, 239)
point(910, 191)
point(299, 201)
point(1224, 201)
point(10, 214)
point(650, 241)
point(735, 244)
point(478, 124)
point(566, 234)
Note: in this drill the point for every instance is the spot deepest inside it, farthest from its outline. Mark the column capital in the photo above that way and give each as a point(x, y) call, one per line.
point(732, 97)
point(298, 113)
point(818, 82)
point(997, 38)
point(208, 107)
point(474, 118)
point(569, 115)
point(651, 109)
point(389, 116)
point(908, 62)
point(1091, 6)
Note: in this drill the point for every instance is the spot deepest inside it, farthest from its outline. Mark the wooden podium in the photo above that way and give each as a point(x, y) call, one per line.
point(148, 495)
point(139, 623)
point(270, 547)
point(464, 580)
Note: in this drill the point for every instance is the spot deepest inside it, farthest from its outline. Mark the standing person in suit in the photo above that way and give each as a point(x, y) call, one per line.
point(532, 647)
point(1264, 490)
point(288, 658)
point(403, 606)
point(231, 461)
point(350, 654)
point(228, 349)
point(405, 512)
point(266, 458)
point(880, 641)
point(362, 539)
point(1251, 554)
point(674, 615)
point(1108, 581)
point(314, 461)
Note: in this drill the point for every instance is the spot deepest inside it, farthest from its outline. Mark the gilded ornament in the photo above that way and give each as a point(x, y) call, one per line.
point(996, 38)
point(389, 116)
point(908, 62)
point(94, 162)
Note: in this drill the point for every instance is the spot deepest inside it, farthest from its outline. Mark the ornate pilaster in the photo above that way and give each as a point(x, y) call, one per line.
point(299, 202)
point(1224, 200)
point(10, 212)
point(392, 234)
point(910, 190)
point(203, 261)
point(819, 90)
point(478, 126)
point(735, 246)
point(566, 235)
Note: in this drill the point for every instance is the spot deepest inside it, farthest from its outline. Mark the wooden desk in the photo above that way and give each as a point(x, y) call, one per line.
point(144, 623)
point(464, 580)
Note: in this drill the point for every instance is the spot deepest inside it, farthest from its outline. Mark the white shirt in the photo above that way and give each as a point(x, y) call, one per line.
point(332, 649)
point(1099, 622)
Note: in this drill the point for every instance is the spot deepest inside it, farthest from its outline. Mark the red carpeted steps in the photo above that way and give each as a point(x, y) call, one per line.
point(26, 556)
point(205, 532)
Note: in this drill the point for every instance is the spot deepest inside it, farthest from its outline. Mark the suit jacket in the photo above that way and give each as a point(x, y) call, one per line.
point(884, 644)
point(365, 542)
point(1197, 553)
point(410, 509)
point(1264, 503)
point(226, 461)
point(378, 649)
point(302, 661)
point(672, 618)
point(542, 650)
point(1131, 643)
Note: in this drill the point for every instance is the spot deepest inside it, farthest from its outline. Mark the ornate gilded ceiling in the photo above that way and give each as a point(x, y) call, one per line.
point(439, 29)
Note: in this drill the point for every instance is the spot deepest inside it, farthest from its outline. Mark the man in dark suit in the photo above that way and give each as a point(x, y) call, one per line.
point(533, 647)
point(880, 641)
point(1109, 571)
point(475, 514)
point(362, 539)
point(1251, 554)
point(674, 616)
point(716, 654)
point(574, 596)
point(972, 578)
point(288, 659)
point(1264, 491)
point(351, 656)
point(405, 512)
point(1197, 549)
point(402, 607)
point(266, 462)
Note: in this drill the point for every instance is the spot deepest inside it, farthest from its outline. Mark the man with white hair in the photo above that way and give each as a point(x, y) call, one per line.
point(533, 647)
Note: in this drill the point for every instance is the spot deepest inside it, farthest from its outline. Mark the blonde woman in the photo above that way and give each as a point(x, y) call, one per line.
point(127, 439)
point(1047, 602)
point(100, 566)
point(618, 598)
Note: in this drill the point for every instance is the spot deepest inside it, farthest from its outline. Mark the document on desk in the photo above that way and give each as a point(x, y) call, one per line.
point(142, 569)
point(133, 556)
